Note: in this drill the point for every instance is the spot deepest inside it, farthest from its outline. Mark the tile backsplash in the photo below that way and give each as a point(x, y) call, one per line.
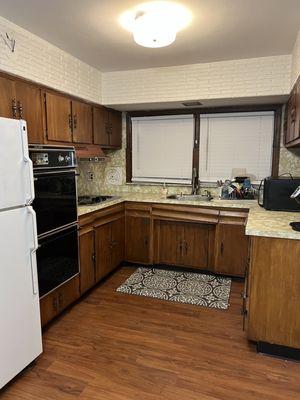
point(109, 177)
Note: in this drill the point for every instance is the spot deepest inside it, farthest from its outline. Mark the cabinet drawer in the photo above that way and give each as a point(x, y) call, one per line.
point(55, 302)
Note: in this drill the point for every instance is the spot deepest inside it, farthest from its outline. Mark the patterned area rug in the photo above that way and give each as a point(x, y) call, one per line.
point(184, 287)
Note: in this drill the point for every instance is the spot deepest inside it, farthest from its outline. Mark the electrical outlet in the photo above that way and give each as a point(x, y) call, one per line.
point(90, 176)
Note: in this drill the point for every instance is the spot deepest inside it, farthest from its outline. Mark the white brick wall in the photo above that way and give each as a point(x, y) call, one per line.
point(295, 60)
point(227, 79)
point(40, 61)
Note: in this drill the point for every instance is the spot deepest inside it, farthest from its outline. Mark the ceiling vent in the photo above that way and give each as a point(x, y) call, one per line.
point(192, 104)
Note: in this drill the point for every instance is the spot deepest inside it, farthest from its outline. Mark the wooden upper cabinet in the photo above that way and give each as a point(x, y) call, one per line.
point(292, 118)
point(231, 244)
point(82, 122)
point(58, 118)
point(115, 119)
point(107, 126)
point(101, 126)
point(29, 105)
point(8, 102)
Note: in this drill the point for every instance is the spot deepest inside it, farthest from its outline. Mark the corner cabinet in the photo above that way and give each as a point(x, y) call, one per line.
point(292, 118)
point(138, 227)
point(107, 127)
point(101, 244)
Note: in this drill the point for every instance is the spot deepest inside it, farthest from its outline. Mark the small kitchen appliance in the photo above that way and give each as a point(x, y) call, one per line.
point(296, 196)
point(275, 193)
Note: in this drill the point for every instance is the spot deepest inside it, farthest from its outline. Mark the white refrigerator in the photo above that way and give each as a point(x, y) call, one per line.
point(20, 326)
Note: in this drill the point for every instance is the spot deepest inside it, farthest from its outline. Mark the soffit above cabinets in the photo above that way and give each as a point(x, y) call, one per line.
point(221, 30)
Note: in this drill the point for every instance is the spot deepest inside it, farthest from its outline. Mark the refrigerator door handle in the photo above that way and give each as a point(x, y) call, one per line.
point(28, 162)
point(35, 285)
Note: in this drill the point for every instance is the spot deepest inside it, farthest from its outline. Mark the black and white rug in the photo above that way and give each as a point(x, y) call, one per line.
point(184, 287)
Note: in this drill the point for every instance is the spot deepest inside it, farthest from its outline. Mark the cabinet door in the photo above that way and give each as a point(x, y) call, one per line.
point(195, 245)
point(137, 236)
point(29, 105)
point(82, 122)
point(58, 118)
point(87, 259)
point(68, 293)
point(115, 137)
point(168, 242)
point(103, 250)
point(291, 117)
point(118, 242)
point(231, 249)
point(100, 126)
point(8, 105)
point(49, 307)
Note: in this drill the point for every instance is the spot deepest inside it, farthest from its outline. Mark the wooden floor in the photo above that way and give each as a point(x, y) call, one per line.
point(113, 346)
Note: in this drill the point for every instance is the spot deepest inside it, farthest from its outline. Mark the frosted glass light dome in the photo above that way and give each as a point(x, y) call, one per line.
point(155, 24)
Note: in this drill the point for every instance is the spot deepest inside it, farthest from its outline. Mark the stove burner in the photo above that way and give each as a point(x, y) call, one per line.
point(89, 200)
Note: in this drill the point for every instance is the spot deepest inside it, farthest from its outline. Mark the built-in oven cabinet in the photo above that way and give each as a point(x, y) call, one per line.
point(55, 302)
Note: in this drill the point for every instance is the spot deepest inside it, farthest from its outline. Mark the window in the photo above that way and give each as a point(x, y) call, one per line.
point(236, 144)
point(162, 149)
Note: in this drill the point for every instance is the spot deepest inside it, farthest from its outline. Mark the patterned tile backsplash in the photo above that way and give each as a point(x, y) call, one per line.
point(109, 177)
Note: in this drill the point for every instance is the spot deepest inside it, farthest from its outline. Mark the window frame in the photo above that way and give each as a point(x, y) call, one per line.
point(276, 108)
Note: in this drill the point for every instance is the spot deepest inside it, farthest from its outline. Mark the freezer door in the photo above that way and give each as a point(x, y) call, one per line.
point(20, 332)
point(16, 174)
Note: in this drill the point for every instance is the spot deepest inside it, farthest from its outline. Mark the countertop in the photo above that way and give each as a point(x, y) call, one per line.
point(260, 221)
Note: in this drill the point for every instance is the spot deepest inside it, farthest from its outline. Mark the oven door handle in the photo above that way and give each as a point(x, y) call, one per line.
point(54, 173)
point(34, 276)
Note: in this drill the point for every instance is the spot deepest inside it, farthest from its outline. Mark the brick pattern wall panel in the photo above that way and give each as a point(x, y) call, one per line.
point(40, 61)
point(263, 76)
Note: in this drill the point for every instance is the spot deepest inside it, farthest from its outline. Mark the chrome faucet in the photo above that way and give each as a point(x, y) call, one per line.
point(195, 182)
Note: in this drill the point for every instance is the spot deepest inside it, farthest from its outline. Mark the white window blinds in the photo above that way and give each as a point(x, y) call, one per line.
point(162, 149)
point(236, 143)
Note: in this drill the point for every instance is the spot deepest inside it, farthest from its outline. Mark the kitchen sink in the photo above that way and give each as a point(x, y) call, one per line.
point(190, 197)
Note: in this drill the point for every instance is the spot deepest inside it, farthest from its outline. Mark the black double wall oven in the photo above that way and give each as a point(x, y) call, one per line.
point(55, 205)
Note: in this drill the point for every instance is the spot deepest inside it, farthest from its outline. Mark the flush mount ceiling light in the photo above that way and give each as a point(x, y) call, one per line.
point(155, 24)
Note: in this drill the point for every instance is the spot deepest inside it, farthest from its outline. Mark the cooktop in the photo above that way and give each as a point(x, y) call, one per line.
point(89, 200)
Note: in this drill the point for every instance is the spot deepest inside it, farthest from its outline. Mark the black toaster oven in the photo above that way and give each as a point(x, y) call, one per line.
point(275, 194)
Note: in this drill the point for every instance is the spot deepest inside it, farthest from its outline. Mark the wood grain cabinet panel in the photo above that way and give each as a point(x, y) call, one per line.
point(58, 118)
point(8, 102)
point(82, 122)
point(107, 127)
point(231, 248)
point(101, 126)
point(87, 259)
point(55, 302)
point(137, 239)
point(115, 119)
point(292, 118)
point(274, 288)
point(29, 105)
point(182, 244)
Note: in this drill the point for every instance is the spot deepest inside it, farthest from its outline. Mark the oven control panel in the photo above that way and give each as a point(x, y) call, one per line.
point(52, 157)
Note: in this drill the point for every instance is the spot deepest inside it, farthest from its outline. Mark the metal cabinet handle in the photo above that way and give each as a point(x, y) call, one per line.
point(75, 121)
point(70, 121)
point(20, 108)
point(14, 108)
point(55, 304)
point(222, 248)
point(60, 299)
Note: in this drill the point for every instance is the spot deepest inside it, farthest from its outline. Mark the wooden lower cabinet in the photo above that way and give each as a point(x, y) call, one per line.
point(231, 244)
point(273, 303)
point(138, 233)
point(182, 243)
point(109, 246)
point(55, 302)
point(87, 258)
